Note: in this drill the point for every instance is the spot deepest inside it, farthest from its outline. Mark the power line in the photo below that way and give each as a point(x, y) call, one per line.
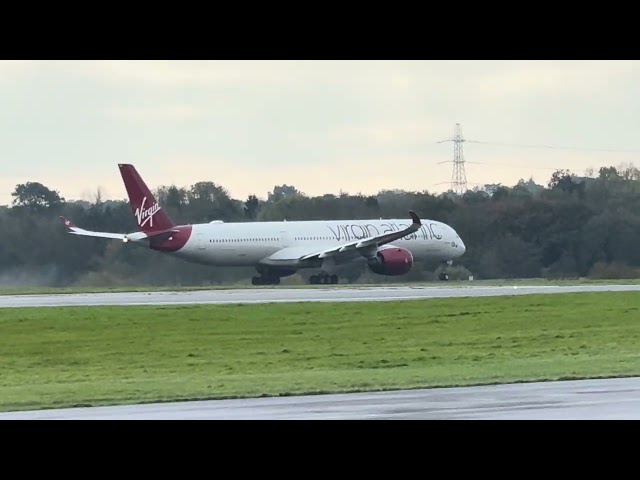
point(458, 178)
point(553, 147)
point(513, 166)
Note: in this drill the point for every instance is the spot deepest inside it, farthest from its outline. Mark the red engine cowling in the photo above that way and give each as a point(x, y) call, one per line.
point(391, 261)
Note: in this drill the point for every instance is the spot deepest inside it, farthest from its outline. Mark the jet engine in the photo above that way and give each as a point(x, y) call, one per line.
point(391, 261)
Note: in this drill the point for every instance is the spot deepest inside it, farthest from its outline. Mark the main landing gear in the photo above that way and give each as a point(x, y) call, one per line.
point(323, 279)
point(444, 276)
point(265, 280)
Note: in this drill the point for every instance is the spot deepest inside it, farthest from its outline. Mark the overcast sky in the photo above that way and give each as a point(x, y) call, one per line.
point(322, 126)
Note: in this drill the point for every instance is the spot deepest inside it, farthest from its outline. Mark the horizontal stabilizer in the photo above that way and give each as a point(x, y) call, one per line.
point(125, 237)
point(72, 228)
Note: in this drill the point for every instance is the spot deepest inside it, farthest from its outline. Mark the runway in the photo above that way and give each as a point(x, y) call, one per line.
point(278, 295)
point(608, 399)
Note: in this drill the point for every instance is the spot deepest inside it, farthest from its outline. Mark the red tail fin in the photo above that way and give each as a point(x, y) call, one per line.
point(148, 213)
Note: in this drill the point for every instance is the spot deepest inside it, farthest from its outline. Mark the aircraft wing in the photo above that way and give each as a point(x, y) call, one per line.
point(367, 243)
point(301, 254)
point(125, 237)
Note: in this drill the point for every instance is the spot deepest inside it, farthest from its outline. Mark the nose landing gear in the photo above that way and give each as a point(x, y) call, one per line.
point(444, 276)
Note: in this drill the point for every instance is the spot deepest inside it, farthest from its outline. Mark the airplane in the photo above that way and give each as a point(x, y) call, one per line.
point(280, 249)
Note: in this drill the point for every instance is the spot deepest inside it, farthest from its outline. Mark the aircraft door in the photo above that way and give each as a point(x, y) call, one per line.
point(285, 239)
point(200, 241)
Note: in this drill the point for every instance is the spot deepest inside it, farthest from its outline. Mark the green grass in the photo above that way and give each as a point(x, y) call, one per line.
point(465, 283)
point(55, 357)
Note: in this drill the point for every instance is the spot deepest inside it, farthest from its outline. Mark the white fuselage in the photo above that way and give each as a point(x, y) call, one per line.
point(246, 244)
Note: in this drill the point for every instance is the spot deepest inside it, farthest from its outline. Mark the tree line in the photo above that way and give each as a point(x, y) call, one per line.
point(575, 226)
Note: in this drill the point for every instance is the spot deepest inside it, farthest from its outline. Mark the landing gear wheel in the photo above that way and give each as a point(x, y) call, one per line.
point(444, 276)
point(334, 279)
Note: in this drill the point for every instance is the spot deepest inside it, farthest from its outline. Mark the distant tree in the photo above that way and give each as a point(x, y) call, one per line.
point(531, 186)
point(526, 230)
point(565, 181)
point(628, 171)
point(372, 202)
point(475, 195)
point(491, 188)
point(176, 197)
point(35, 197)
point(251, 206)
point(500, 193)
point(208, 201)
point(608, 173)
point(97, 196)
point(559, 177)
point(283, 192)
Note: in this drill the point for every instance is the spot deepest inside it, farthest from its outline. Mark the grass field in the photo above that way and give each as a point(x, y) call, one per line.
point(55, 357)
point(143, 288)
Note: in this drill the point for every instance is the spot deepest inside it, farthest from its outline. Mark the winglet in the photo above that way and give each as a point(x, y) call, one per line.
point(415, 218)
point(68, 223)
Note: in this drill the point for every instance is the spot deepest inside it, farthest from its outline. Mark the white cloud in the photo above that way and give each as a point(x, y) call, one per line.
point(321, 125)
point(358, 76)
point(557, 77)
point(8, 65)
point(401, 82)
point(16, 69)
point(182, 73)
point(157, 113)
point(387, 132)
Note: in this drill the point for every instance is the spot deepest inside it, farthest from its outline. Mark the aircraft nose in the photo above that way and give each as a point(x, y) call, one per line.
point(462, 247)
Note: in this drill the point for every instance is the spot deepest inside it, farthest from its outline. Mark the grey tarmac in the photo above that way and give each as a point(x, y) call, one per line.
point(279, 295)
point(602, 399)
